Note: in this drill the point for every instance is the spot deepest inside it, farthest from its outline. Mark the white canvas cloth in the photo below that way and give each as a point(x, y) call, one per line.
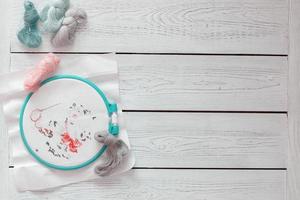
point(28, 174)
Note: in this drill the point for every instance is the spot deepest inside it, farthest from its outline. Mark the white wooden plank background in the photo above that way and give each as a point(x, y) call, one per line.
point(294, 103)
point(4, 67)
point(208, 140)
point(165, 140)
point(182, 82)
point(229, 83)
point(177, 26)
point(165, 184)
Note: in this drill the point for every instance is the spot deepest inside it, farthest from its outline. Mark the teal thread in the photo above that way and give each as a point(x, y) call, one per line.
point(113, 129)
point(113, 108)
point(57, 77)
point(29, 35)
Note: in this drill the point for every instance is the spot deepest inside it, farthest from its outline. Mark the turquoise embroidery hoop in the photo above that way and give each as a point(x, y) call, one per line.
point(112, 128)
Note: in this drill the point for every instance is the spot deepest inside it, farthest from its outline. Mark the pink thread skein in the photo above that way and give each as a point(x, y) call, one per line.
point(42, 70)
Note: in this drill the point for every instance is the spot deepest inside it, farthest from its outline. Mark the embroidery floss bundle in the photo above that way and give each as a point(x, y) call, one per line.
point(43, 69)
point(66, 33)
point(29, 35)
point(114, 154)
point(52, 15)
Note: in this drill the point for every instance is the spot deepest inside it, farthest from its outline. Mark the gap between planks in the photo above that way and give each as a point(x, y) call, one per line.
point(141, 53)
point(193, 168)
point(207, 111)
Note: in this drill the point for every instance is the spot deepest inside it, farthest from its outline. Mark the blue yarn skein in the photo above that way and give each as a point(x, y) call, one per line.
point(52, 15)
point(29, 35)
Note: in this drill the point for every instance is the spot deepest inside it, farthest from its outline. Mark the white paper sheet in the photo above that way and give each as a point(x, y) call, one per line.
point(28, 174)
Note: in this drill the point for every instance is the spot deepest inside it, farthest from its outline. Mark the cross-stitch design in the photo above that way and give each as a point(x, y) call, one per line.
point(68, 143)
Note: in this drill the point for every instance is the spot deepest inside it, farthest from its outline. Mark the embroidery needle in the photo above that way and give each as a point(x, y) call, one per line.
point(38, 112)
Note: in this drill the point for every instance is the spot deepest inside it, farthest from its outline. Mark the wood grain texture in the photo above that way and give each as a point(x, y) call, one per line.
point(5, 15)
point(169, 82)
point(177, 26)
point(176, 185)
point(208, 140)
point(294, 103)
point(203, 83)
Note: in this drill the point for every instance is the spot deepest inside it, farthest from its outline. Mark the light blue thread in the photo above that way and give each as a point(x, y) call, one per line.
point(53, 14)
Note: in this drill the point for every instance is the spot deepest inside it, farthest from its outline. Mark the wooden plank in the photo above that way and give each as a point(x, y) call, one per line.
point(294, 103)
point(176, 185)
point(4, 37)
point(178, 26)
point(222, 83)
point(5, 15)
point(208, 140)
point(203, 83)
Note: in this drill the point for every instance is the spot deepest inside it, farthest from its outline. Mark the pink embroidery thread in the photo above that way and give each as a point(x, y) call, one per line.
point(72, 143)
point(42, 70)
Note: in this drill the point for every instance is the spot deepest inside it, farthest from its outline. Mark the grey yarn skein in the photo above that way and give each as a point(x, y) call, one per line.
point(116, 151)
point(66, 33)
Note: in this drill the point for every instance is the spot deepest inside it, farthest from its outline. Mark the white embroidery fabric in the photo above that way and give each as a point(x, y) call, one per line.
point(28, 174)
